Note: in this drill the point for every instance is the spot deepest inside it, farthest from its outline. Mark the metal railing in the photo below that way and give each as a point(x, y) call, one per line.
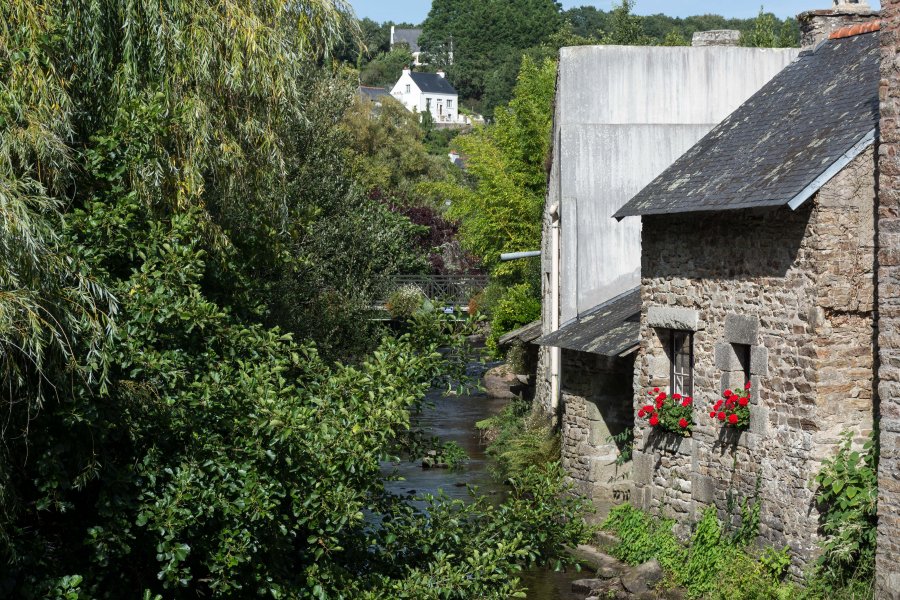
point(455, 289)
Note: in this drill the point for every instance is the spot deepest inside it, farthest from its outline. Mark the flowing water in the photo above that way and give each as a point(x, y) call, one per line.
point(453, 418)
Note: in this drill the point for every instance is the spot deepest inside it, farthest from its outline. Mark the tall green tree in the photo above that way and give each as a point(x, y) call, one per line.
point(488, 38)
point(501, 212)
point(624, 27)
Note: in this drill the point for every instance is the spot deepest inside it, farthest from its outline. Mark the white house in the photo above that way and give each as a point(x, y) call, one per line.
point(429, 92)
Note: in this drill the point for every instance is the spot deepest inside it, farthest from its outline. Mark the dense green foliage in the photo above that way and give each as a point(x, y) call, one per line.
point(718, 563)
point(487, 37)
point(712, 564)
point(186, 212)
point(500, 207)
point(519, 437)
point(848, 497)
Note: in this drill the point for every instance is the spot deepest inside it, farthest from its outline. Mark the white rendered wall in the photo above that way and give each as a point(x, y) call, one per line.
point(416, 101)
point(623, 115)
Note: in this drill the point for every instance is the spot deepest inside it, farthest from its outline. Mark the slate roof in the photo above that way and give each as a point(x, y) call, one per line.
point(526, 333)
point(373, 93)
point(408, 36)
point(782, 144)
point(611, 329)
point(432, 83)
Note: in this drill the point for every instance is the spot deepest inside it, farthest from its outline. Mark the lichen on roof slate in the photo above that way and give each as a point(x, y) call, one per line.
point(610, 329)
point(780, 140)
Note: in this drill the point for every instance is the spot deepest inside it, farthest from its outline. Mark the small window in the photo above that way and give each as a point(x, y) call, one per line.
point(428, 104)
point(407, 88)
point(743, 356)
point(449, 103)
point(682, 353)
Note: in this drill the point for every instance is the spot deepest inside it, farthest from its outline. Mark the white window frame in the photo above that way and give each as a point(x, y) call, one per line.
point(681, 369)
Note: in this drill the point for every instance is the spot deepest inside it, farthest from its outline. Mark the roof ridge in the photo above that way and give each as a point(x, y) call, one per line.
point(853, 30)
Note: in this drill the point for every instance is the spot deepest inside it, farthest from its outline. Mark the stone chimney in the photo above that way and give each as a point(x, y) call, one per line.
point(441, 74)
point(716, 37)
point(817, 25)
point(887, 560)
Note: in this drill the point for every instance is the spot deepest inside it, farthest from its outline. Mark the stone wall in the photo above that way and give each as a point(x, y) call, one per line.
point(596, 404)
point(888, 558)
point(797, 288)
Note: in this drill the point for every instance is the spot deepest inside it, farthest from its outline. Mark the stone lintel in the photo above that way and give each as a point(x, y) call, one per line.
point(741, 329)
point(671, 317)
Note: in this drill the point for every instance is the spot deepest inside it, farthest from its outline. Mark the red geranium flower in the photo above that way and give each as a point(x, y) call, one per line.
point(747, 385)
point(712, 414)
point(676, 396)
point(744, 401)
point(655, 390)
point(648, 409)
point(683, 423)
point(733, 419)
point(641, 413)
point(654, 420)
point(660, 402)
point(718, 405)
point(687, 401)
point(727, 393)
point(721, 416)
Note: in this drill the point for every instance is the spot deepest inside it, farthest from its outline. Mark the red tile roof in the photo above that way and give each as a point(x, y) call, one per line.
point(857, 29)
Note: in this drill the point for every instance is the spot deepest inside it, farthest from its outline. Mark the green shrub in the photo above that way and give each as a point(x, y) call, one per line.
point(711, 565)
point(520, 305)
point(642, 537)
point(519, 438)
point(405, 301)
point(847, 496)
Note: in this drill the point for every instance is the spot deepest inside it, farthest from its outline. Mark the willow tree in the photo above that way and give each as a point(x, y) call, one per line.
point(221, 78)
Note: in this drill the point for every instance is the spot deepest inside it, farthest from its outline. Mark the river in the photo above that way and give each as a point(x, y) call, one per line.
point(453, 419)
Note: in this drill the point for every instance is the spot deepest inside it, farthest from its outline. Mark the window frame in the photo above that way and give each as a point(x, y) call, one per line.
point(681, 380)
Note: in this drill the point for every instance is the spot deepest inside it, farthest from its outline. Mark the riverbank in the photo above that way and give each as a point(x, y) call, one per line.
point(453, 419)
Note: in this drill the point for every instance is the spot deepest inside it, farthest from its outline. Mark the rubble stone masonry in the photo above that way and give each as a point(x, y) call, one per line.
point(888, 557)
point(794, 291)
point(596, 406)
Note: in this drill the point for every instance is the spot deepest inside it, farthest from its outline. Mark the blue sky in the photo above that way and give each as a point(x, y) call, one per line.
point(414, 11)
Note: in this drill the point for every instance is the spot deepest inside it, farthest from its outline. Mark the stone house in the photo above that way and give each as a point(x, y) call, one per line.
point(622, 116)
point(758, 264)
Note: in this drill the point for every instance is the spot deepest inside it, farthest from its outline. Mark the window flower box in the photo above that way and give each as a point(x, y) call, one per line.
point(733, 409)
point(673, 413)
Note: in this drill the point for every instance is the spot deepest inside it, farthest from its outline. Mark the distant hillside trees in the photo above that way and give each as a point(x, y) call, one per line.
point(488, 38)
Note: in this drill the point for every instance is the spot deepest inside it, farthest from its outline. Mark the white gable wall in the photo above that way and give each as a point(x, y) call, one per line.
point(444, 107)
point(623, 115)
point(408, 93)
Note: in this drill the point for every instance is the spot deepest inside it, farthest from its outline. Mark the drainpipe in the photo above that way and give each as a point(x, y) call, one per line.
point(555, 352)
